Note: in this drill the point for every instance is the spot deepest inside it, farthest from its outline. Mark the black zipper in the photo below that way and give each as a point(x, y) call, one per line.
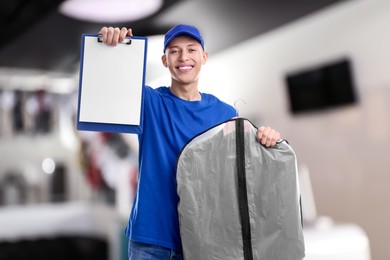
point(242, 191)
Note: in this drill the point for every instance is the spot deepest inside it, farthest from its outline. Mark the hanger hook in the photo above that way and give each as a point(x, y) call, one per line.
point(235, 105)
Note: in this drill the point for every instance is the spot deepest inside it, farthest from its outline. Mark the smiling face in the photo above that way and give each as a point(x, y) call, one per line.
point(184, 58)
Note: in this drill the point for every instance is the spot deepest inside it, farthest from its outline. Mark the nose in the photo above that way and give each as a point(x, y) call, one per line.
point(183, 55)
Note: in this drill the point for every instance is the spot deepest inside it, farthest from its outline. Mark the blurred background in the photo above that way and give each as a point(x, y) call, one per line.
point(317, 71)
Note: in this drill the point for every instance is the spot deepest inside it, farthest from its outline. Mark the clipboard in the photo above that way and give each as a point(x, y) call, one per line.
point(111, 85)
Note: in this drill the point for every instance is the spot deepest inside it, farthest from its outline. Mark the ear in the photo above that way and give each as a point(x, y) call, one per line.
point(205, 57)
point(164, 60)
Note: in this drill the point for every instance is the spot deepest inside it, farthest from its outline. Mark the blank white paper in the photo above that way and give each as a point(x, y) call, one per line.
point(112, 81)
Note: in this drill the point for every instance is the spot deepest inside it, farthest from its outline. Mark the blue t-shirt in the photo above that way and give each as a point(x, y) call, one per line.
point(169, 123)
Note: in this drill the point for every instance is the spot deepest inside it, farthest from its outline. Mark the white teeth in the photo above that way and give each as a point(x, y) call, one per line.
point(185, 68)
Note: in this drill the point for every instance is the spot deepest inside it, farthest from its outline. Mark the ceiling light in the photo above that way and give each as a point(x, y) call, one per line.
point(109, 11)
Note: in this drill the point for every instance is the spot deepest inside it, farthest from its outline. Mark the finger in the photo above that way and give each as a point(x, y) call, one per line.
point(275, 139)
point(122, 34)
point(110, 35)
point(272, 138)
point(264, 135)
point(103, 31)
point(129, 32)
point(116, 36)
point(260, 133)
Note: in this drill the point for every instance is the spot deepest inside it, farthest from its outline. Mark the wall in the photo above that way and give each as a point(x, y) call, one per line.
point(346, 149)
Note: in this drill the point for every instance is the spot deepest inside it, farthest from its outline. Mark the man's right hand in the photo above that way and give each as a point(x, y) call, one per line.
point(112, 36)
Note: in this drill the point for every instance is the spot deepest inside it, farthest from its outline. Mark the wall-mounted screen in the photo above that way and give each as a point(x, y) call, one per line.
point(318, 88)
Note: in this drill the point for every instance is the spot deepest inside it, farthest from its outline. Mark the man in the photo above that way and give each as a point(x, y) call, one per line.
point(173, 115)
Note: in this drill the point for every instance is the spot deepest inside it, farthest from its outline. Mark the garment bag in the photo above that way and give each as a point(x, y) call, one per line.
point(238, 199)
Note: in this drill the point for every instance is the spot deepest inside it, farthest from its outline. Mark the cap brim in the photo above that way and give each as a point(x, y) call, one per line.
point(173, 36)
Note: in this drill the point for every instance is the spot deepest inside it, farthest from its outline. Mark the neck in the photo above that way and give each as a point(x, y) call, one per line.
point(186, 92)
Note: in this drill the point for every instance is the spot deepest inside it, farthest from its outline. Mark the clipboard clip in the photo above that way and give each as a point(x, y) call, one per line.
point(127, 40)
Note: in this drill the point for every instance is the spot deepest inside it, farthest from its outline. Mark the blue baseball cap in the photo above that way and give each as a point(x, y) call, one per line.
point(183, 29)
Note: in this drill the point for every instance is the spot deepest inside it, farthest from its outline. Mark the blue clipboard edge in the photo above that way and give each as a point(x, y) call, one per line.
point(105, 127)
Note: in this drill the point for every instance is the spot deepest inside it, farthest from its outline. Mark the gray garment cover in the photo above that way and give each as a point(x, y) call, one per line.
point(209, 208)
